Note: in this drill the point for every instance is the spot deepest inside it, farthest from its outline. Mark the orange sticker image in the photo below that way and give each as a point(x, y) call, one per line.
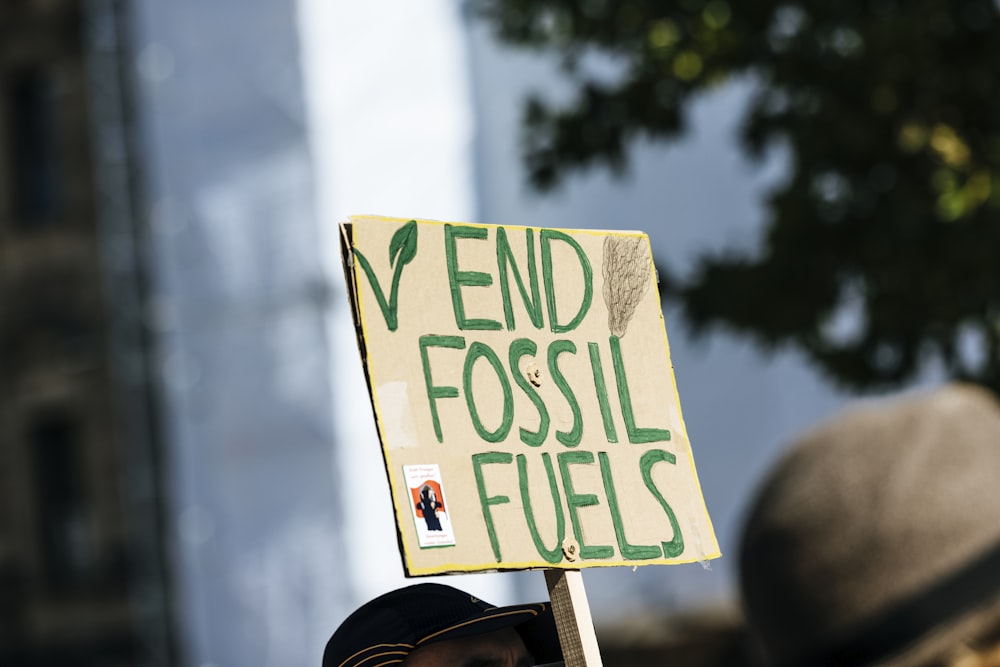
point(430, 514)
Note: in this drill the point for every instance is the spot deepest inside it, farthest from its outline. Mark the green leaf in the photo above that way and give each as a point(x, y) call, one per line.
point(404, 244)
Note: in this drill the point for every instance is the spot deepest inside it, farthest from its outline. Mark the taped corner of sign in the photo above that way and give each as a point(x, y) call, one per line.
point(705, 558)
point(394, 412)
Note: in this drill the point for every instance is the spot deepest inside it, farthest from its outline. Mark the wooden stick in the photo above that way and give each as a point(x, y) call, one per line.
point(573, 620)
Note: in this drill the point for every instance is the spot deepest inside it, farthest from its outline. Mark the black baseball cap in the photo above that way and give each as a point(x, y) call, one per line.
point(385, 630)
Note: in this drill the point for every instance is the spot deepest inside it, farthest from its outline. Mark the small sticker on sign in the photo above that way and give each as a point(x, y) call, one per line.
point(430, 511)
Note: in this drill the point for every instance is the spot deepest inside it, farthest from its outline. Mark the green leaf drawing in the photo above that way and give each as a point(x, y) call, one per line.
point(404, 244)
point(402, 247)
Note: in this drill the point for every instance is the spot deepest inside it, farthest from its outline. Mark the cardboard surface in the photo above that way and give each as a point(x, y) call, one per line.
point(524, 396)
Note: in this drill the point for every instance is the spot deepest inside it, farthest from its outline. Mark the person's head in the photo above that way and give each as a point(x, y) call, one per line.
point(433, 625)
point(876, 539)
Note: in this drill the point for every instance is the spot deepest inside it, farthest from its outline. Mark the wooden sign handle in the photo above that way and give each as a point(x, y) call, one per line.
point(573, 620)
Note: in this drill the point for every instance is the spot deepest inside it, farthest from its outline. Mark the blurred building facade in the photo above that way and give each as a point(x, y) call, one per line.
point(81, 554)
point(257, 507)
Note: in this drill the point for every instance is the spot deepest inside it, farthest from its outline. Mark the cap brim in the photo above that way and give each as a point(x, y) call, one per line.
point(534, 622)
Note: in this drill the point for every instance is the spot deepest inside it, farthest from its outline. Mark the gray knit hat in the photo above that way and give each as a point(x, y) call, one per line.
point(876, 539)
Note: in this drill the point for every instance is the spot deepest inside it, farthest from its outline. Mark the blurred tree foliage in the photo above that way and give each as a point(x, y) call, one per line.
point(882, 247)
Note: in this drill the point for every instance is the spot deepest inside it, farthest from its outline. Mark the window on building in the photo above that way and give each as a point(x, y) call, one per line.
point(67, 552)
point(33, 142)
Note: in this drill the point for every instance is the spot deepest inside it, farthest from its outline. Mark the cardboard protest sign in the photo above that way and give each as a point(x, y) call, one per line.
point(524, 397)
